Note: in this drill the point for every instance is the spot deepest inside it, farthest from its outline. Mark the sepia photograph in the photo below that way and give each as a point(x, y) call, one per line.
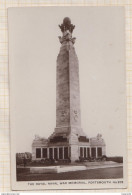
point(67, 97)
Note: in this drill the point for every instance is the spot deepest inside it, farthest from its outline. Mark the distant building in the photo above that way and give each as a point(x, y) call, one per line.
point(68, 140)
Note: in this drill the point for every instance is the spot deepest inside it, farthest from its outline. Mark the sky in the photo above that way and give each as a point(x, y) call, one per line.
point(33, 50)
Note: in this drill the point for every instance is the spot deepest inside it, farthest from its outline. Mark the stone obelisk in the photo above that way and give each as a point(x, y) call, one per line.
point(68, 115)
point(68, 141)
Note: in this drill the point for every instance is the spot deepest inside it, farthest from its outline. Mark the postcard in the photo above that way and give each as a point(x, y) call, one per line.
point(67, 98)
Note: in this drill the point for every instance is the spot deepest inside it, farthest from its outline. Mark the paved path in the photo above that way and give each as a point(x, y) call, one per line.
point(75, 167)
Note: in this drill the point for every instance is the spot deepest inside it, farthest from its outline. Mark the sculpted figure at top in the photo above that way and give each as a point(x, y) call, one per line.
point(67, 29)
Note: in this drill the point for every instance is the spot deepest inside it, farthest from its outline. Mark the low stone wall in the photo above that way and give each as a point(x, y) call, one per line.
point(56, 169)
point(52, 169)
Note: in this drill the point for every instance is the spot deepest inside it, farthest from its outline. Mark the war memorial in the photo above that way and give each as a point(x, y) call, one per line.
point(68, 141)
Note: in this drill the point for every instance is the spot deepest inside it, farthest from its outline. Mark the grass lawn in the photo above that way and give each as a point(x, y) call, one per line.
point(105, 173)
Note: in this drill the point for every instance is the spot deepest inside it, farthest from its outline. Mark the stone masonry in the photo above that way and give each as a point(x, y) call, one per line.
point(68, 139)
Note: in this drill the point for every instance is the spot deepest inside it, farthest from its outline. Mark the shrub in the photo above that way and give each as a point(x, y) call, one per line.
point(77, 161)
point(104, 158)
point(118, 159)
